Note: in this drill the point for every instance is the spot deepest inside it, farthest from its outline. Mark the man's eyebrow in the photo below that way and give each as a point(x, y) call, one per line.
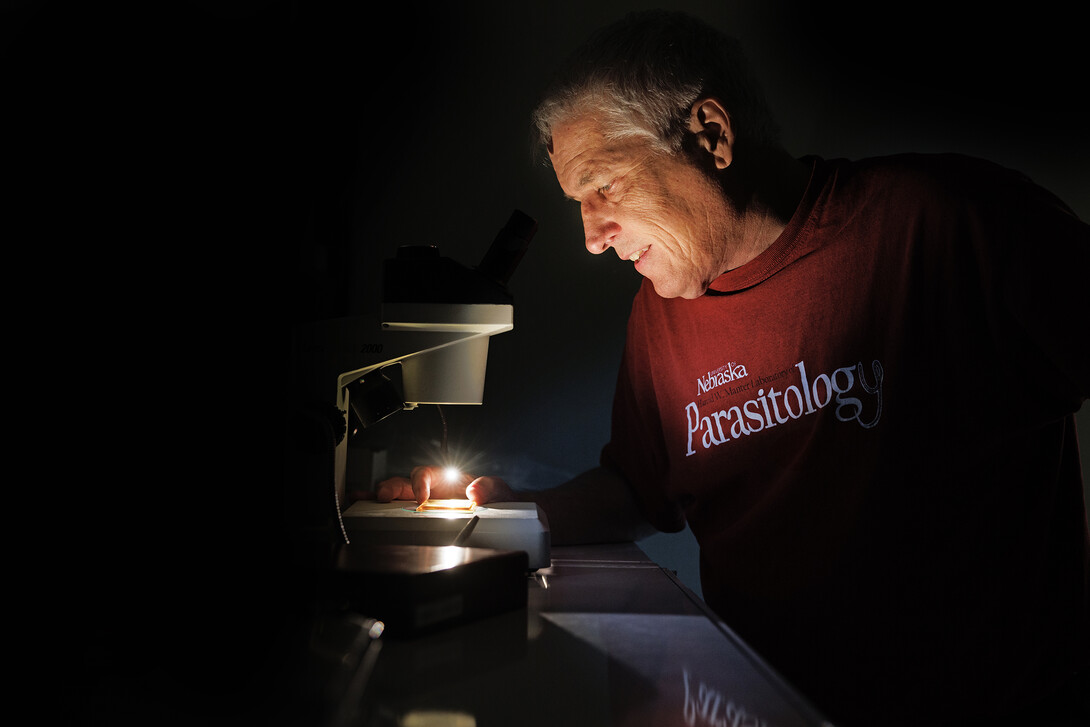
point(596, 170)
point(583, 181)
point(586, 178)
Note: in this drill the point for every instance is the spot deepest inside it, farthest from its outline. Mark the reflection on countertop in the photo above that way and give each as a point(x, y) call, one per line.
point(607, 638)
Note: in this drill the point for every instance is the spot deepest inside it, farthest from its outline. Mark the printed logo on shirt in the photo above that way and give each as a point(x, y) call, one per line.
point(845, 388)
point(725, 374)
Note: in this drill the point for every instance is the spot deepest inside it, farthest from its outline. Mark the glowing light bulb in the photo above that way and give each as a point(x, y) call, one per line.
point(451, 474)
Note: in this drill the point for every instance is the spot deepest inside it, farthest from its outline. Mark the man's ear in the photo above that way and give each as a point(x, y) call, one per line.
point(710, 122)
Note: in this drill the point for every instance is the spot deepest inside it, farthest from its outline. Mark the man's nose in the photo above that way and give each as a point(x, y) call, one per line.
point(599, 227)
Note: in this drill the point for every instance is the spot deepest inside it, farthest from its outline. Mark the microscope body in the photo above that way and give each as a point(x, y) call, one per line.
point(442, 350)
point(434, 321)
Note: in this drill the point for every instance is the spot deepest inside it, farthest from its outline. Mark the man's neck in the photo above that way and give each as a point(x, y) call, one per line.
point(766, 189)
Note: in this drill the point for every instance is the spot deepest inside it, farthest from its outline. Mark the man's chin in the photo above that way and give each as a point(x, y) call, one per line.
point(666, 290)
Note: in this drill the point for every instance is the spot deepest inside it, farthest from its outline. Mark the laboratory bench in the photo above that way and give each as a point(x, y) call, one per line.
point(605, 637)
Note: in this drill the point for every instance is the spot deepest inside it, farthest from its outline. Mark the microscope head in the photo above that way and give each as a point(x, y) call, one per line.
point(435, 321)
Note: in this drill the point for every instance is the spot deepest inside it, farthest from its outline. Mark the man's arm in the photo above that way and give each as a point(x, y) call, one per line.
point(594, 507)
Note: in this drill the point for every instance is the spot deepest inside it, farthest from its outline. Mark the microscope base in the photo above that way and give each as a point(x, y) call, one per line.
point(502, 526)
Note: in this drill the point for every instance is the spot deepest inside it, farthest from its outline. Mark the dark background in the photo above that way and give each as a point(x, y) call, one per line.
point(190, 181)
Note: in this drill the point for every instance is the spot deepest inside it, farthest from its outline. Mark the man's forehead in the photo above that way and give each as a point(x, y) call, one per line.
point(575, 137)
point(581, 152)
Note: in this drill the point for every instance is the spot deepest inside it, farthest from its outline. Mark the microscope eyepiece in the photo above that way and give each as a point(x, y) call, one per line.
point(507, 249)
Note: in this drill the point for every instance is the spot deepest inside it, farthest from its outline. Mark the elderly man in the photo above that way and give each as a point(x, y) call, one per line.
point(855, 381)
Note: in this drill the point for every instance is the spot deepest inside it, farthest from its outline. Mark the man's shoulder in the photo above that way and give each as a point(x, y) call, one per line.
point(923, 170)
point(913, 181)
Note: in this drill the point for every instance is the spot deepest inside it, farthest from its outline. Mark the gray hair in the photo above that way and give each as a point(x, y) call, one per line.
point(641, 76)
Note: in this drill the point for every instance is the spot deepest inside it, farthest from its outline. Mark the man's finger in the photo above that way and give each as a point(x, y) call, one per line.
point(421, 483)
point(489, 489)
point(395, 488)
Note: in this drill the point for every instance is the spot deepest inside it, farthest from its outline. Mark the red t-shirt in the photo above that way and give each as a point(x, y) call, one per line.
point(869, 429)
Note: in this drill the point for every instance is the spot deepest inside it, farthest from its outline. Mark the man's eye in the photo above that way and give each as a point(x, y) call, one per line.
point(605, 188)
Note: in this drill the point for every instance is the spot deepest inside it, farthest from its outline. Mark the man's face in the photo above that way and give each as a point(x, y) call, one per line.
point(658, 210)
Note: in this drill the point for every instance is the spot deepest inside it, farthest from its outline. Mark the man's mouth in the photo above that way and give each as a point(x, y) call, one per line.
point(635, 257)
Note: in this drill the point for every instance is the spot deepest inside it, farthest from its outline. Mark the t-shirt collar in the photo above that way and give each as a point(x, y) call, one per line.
point(795, 241)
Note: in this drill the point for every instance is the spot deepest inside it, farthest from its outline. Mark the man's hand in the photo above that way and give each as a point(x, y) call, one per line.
point(436, 482)
point(594, 507)
point(489, 489)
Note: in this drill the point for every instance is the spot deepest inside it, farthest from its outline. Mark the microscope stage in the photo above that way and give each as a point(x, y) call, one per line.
point(501, 526)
